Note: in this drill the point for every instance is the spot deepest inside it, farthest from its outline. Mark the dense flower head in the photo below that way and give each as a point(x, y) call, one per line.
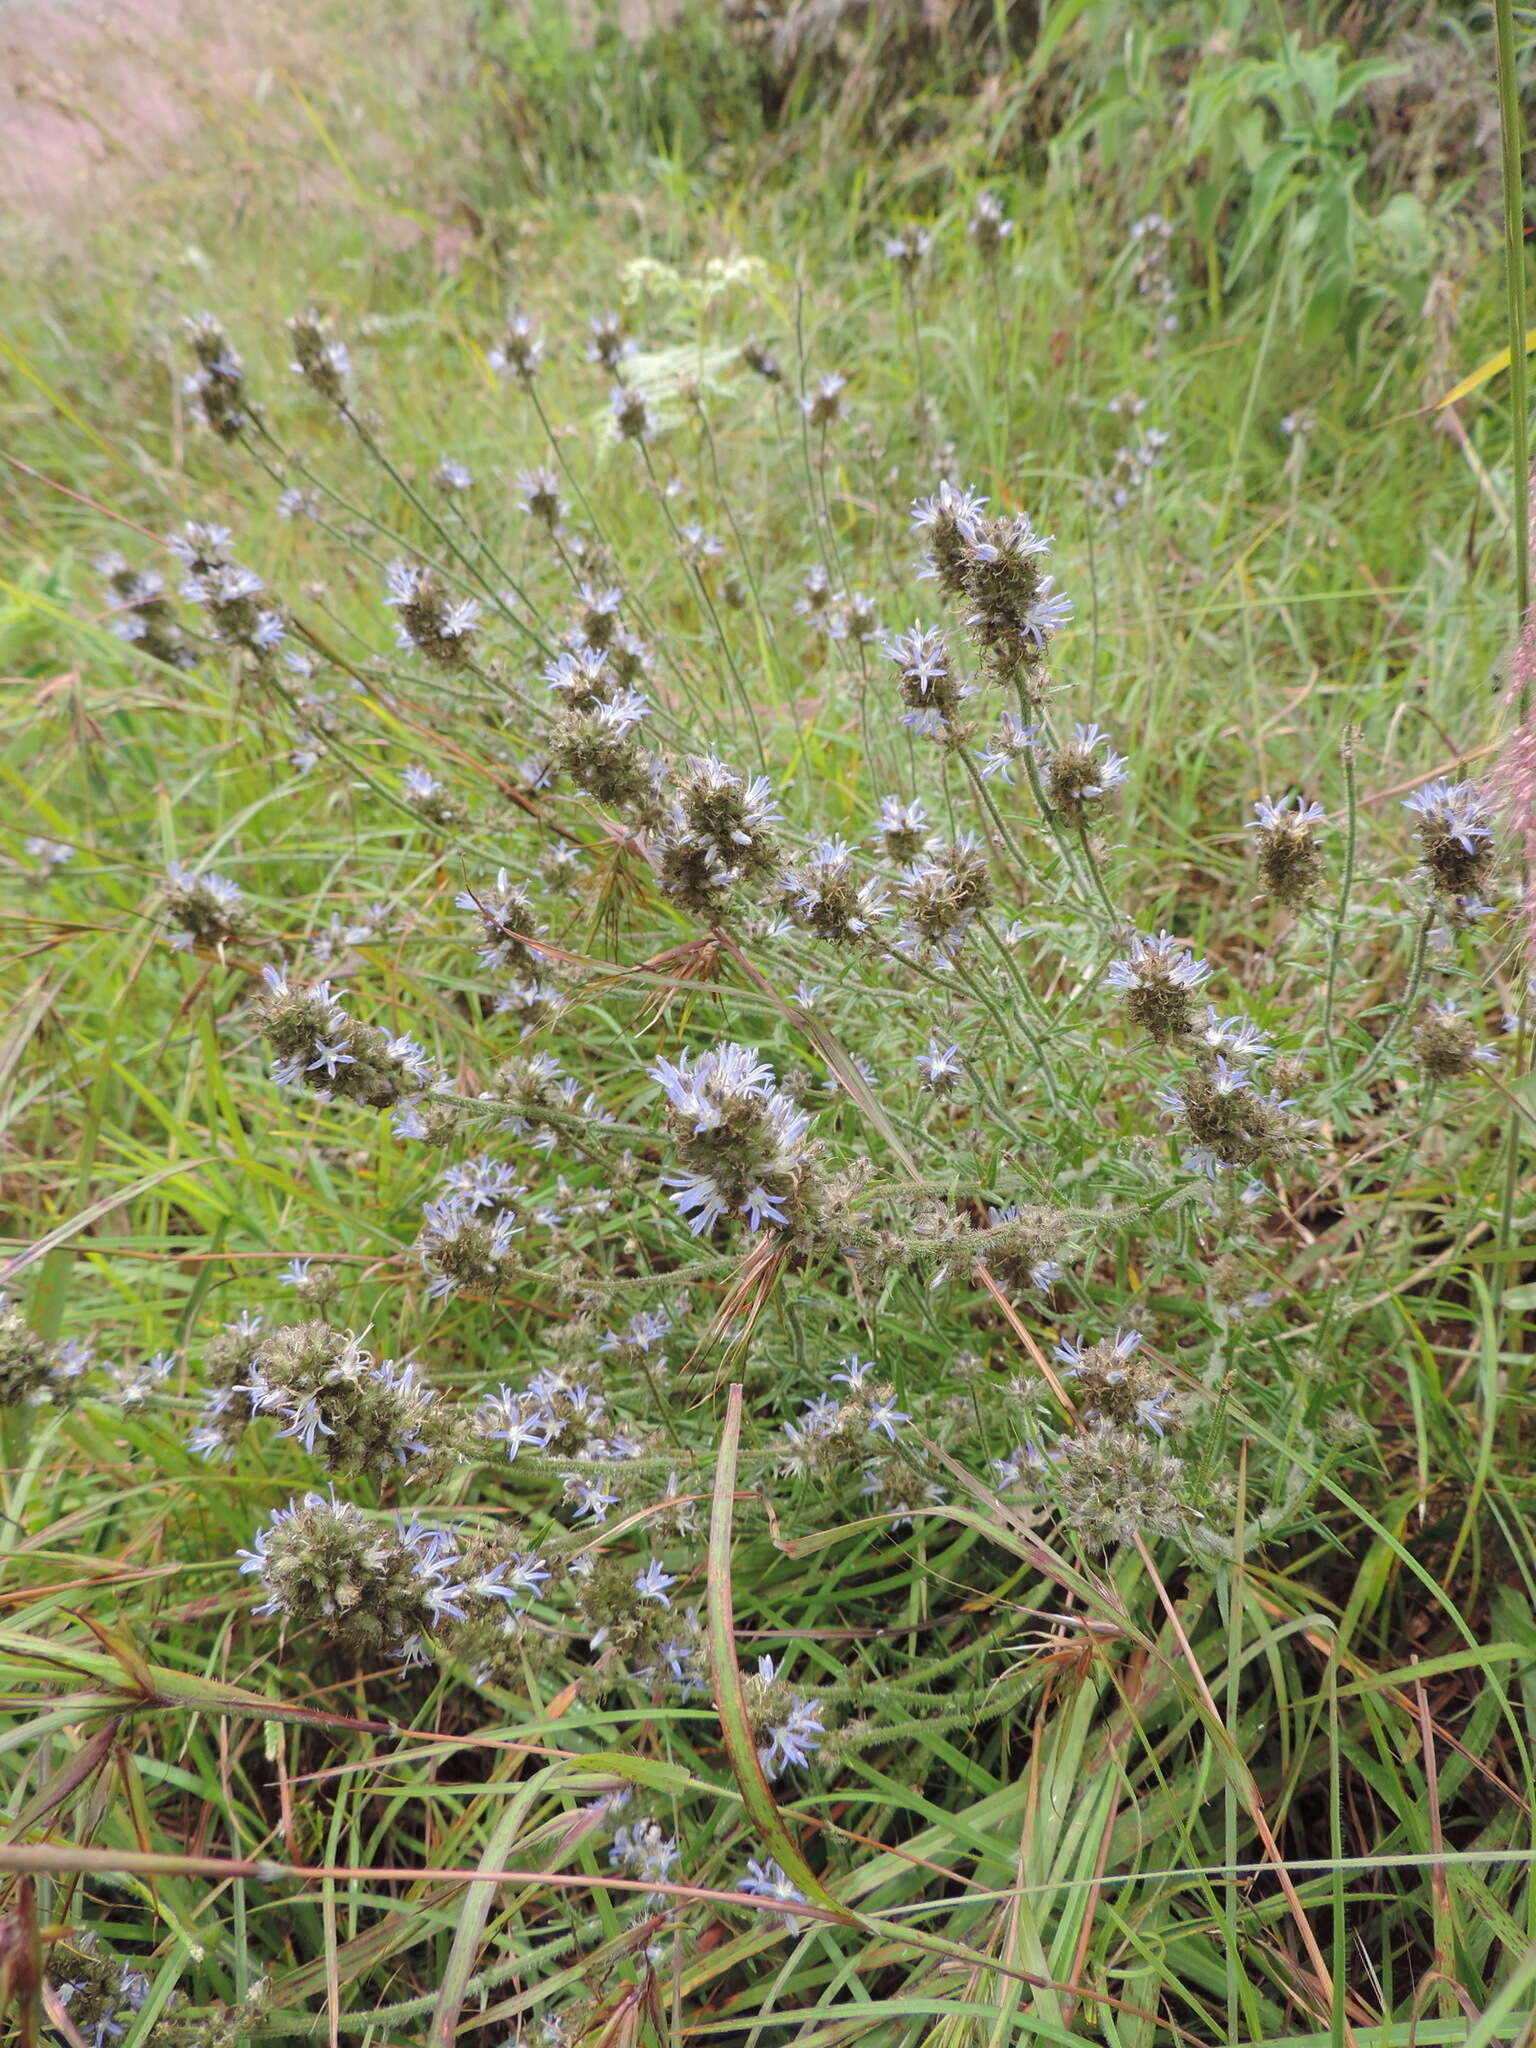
point(217, 386)
point(941, 1068)
point(1114, 1483)
point(988, 226)
point(607, 342)
point(1082, 774)
point(144, 615)
point(785, 1723)
point(948, 522)
point(375, 1587)
point(1290, 863)
point(362, 1415)
point(204, 910)
point(630, 412)
point(902, 831)
point(908, 249)
point(1020, 1245)
point(1015, 609)
point(769, 1880)
point(29, 1366)
point(317, 1044)
point(230, 597)
point(1457, 850)
point(944, 890)
point(719, 833)
point(538, 497)
point(836, 1431)
point(1227, 1117)
point(431, 623)
point(319, 358)
point(461, 1246)
point(742, 1142)
point(823, 403)
point(1115, 1381)
point(508, 920)
point(1446, 1044)
point(824, 894)
point(928, 684)
point(1158, 977)
point(432, 798)
point(519, 352)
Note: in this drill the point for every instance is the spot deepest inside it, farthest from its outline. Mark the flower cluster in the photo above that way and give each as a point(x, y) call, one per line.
point(742, 1141)
point(360, 1414)
point(1290, 861)
point(319, 358)
point(719, 834)
point(438, 627)
point(316, 1044)
point(206, 911)
point(216, 387)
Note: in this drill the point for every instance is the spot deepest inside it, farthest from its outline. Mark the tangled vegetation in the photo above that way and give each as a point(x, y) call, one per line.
point(770, 1201)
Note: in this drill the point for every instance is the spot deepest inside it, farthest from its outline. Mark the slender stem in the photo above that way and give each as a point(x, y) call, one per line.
point(979, 784)
point(1410, 997)
point(709, 605)
point(1117, 918)
point(1512, 137)
point(466, 562)
point(1346, 883)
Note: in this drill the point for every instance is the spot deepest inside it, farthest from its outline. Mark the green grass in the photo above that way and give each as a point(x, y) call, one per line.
point(1265, 1778)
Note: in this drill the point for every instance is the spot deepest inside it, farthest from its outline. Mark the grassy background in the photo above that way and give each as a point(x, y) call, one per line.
point(1078, 1813)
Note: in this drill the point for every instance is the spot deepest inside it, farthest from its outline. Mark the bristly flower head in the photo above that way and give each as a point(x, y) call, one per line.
point(943, 891)
point(319, 358)
point(1114, 1381)
point(519, 352)
point(145, 616)
point(988, 227)
point(607, 342)
point(1157, 978)
point(743, 1142)
point(1082, 774)
point(217, 386)
point(928, 685)
point(786, 1724)
point(1446, 1045)
point(538, 495)
point(1115, 1484)
point(206, 910)
point(1015, 609)
point(230, 597)
point(908, 250)
point(375, 1589)
point(1290, 864)
point(941, 1068)
point(902, 831)
point(631, 413)
point(433, 624)
point(823, 894)
point(719, 833)
point(1456, 844)
point(823, 403)
point(948, 522)
point(318, 1045)
point(507, 920)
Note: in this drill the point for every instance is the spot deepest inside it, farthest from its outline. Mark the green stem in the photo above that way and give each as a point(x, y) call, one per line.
point(1351, 843)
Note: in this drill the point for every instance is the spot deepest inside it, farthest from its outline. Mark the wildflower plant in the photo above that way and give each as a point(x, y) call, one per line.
point(717, 1167)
